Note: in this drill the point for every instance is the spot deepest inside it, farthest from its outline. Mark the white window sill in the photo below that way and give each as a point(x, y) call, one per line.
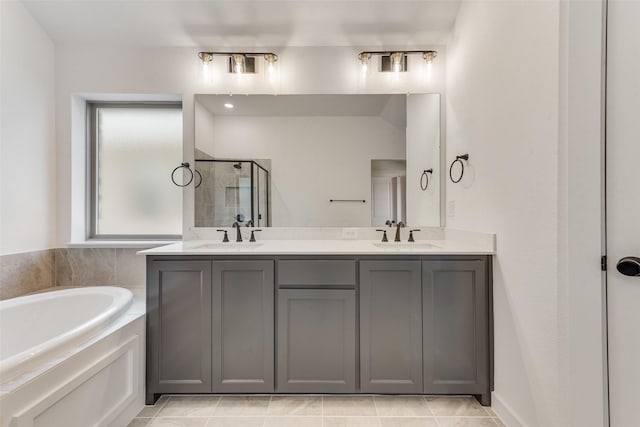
point(143, 244)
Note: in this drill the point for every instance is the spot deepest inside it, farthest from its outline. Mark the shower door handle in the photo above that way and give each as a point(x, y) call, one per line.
point(629, 266)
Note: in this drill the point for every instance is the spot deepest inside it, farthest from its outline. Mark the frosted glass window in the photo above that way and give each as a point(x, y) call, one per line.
point(135, 150)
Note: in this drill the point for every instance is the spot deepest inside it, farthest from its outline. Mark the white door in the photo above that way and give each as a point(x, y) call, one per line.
point(381, 201)
point(623, 209)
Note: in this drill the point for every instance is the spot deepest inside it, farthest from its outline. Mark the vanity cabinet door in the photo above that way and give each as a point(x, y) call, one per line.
point(243, 326)
point(455, 327)
point(390, 327)
point(316, 340)
point(178, 327)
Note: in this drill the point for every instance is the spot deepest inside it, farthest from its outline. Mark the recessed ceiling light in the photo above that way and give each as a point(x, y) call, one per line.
point(228, 105)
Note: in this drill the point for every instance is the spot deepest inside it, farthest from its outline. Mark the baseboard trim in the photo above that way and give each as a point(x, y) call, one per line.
point(504, 411)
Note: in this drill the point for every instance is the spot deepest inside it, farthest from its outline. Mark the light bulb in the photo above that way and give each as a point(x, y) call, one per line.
point(206, 59)
point(239, 63)
point(364, 60)
point(396, 62)
point(429, 57)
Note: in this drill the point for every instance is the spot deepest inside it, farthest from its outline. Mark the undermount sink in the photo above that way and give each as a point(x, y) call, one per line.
point(403, 246)
point(232, 246)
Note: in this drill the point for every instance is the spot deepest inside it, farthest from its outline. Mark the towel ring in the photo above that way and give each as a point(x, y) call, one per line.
point(185, 166)
point(199, 176)
point(424, 179)
point(459, 159)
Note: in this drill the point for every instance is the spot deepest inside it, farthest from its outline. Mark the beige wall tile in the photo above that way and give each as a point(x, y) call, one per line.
point(85, 267)
point(27, 272)
point(130, 270)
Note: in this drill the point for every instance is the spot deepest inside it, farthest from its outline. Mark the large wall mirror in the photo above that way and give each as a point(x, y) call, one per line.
point(317, 160)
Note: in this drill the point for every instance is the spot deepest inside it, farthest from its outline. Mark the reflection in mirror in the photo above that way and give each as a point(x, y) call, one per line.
point(319, 148)
point(232, 191)
point(388, 192)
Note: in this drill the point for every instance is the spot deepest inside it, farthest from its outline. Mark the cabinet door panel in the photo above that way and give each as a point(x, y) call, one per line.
point(179, 327)
point(316, 341)
point(455, 327)
point(390, 327)
point(243, 323)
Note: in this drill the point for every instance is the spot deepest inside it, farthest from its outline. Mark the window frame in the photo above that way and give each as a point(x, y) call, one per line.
point(92, 170)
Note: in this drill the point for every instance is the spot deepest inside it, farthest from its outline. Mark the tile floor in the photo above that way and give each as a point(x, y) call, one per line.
point(315, 411)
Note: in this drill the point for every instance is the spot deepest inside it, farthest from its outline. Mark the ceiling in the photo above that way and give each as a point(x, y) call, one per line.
point(254, 23)
point(391, 108)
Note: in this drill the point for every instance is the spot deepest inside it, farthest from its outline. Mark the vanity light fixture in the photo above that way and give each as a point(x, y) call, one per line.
point(395, 61)
point(364, 58)
point(241, 62)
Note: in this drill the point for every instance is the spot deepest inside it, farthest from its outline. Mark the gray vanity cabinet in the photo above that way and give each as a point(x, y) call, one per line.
point(317, 325)
point(316, 340)
point(243, 326)
point(390, 327)
point(456, 327)
point(178, 327)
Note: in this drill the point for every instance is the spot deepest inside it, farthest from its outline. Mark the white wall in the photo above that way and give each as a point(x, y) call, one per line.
point(502, 109)
point(313, 160)
point(175, 71)
point(27, 153)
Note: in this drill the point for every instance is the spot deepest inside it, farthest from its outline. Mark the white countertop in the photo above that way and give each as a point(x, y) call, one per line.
point(326, 247)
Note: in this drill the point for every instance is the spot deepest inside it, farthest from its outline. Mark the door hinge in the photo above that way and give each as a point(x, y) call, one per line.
point(603, 263)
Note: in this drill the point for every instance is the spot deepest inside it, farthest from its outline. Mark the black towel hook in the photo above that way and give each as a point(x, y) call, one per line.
point(186, 166)
point(458, 159)
point(424, 179)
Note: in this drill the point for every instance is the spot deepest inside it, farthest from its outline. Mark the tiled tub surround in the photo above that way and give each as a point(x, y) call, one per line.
point(316, 411)
point(29, 272)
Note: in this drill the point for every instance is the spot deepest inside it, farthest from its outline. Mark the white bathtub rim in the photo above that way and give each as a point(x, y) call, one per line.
point(17, 364)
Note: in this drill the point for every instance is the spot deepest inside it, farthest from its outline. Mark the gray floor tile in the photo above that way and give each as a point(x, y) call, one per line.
point(152, 410)
point(236, 422)
point(242, 406)
point(139, 422)
point(348, 406)
point(293, 422)
point(466, 422)
point(178, 422)
point(408, 422)
point(350, 422)
point(189, 406)
point(296, 405)
point(455, 406)
point(402, 406)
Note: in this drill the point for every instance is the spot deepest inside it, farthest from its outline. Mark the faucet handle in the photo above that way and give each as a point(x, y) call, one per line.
point(253, 237)
point(384, 235)
point(411, 234)
point(225, 239)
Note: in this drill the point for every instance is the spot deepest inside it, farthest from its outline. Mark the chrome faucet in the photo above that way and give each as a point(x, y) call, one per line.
point(238, 234)
point(398, 226)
